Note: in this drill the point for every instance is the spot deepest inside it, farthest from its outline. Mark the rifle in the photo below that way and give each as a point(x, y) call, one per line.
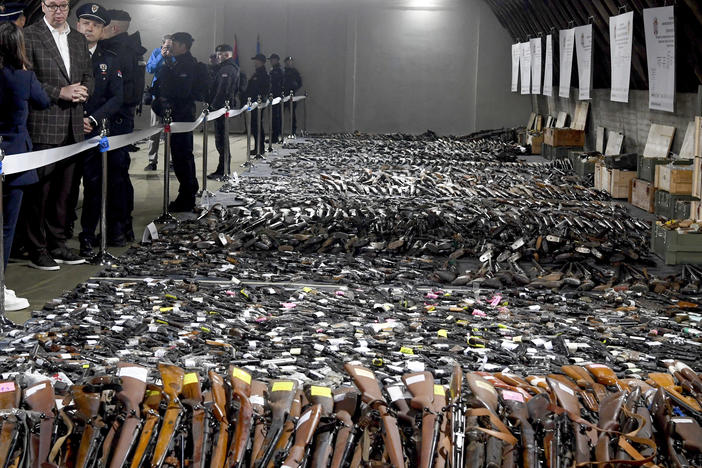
point(661, 411)
point(280, 398)
point(258, 390)
point(132, 395)
point(345, 407)
point(443, 439)
point(666, 382)
point(370, 393)
point(40, 399)
point(172, 378)
point(569, 401)
point(583, 378)
point(150, 407)
point(458, 417)
point(192, 399)
point(610, 407)
point(486, 394)
point(587, 398)
point(240, 382)
point(10, 396)
point(88, 406)
point(635, 414)
point(515, 404)
point(540, 413)
point(421, 386)
point(322, 396)
point(219, 409)
point(606, 376)
point(304, 431)
point(288, 428)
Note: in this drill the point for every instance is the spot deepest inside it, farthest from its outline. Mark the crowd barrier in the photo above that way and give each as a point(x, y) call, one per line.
point(13, 164)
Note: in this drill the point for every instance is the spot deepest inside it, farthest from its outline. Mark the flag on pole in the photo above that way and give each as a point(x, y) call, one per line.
point(258, 44)
point(236, 51)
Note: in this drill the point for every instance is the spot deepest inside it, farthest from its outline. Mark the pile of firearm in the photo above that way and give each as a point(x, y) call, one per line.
point(137, 417)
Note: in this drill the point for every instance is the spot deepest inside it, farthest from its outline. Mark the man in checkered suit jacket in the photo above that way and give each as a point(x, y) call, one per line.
point(62, 63)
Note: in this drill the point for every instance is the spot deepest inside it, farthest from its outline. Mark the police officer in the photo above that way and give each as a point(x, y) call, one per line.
point(292, 81)
point(104, 103)
point(225, 87)
point(276, 91)
point(259, 85)
point(176, 90)
point(13, 12)
point(128, 47)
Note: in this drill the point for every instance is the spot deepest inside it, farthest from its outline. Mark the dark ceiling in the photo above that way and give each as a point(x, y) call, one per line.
point(532, 18)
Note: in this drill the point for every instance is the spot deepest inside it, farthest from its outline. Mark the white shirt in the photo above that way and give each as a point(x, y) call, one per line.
point(92, 49)
point(61, 39)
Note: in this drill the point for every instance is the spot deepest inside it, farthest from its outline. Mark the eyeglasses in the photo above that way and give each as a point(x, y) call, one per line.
point(53, 7)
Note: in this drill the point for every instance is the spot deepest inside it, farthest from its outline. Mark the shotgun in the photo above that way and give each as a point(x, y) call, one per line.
point(172, 378)
point(421, 386)
point(131, 396)
point(150, 408)
point(610, 408)
point(458, 417)
point(370, 394)
point(346, 402)
point(517, 412)
point(10, 396)
point(304, 432)
point(40, 399)
point(569, 401)
point(258, 402)
point(285, 440)
point(219, 409)
point(240, 382)
point(322, 396)
point(192, 399)
point(280, 398)
point(88, 407)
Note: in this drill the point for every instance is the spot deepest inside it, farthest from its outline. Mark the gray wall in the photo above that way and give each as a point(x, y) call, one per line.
point(368, 65)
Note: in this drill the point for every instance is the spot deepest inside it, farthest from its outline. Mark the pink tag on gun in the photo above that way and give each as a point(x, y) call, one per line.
point(514, 396)
point(7, 387)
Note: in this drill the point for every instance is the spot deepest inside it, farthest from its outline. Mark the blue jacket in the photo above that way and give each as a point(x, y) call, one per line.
point(18, 90)
point(155, 64)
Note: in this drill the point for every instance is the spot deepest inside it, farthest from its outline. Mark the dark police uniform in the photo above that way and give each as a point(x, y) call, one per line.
point(104, 103)
point(259, 85)
point(292, 81)
point(176, 88)
point(131, 59)
point(277, 77)
point(225, 87)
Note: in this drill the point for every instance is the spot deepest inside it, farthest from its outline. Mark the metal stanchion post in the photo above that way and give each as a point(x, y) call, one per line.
point(2, 241)
point(282, 117)
point(247, 122)
point(103, 257)
point(166, 217)
point(304, 114)
point(270, 123)
point(292, 115)
point(259, 140)
point(205, 142)
point(227, 148)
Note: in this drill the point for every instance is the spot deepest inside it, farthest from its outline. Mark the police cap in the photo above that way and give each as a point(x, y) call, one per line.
point(274, 56)
point(224, 48)
point(95, 12)
point(183, 38)
point(289, 58)
point(260, 57)
point(11, 11)
point(119, 15)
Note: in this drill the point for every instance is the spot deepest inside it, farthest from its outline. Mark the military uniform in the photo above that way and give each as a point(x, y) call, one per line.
point(225, 88)
point(292, 81)
point(259, 85)
point(276, 90)
point(176, 88)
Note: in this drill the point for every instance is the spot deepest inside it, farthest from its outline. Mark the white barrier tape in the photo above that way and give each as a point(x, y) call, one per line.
point(185, 127)
point(299, 98)
point(236, 112)
point(253, 106)
point(120, 141)
point(276, 101)
point(286, 98)
point(15, 163)
point(214, 115)
point(263, 106)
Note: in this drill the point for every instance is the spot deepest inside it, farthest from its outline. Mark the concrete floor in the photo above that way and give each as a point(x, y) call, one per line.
point(43, 286)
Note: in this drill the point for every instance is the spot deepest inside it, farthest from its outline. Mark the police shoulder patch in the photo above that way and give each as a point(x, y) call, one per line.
point(119, 73)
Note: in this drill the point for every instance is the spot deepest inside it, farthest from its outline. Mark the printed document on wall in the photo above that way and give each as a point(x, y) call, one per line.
point(621, 39)
point(548, 67)
point(583, 49)
point(525, 66)
point(535, 65)
point(565, 47)
point(516, 49)
point(659, 24)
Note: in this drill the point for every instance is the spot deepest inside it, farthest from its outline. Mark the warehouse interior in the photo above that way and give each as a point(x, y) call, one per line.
point(477, 243)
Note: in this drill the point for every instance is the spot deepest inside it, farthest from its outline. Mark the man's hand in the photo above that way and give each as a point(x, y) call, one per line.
point(74, 93)
point(165, 51)
point(87, 125)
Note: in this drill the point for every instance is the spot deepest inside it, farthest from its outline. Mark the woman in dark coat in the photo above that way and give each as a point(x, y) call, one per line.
point(19, 89)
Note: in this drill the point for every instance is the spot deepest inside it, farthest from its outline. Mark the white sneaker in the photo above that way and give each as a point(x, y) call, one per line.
point(14, 303)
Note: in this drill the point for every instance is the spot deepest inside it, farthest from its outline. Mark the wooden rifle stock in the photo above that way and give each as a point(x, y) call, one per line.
point(515, 404)
point(152, 418)
point(442, 436)
point(584, 379)
point(10, 395)
point(172, 377)
point(666, 382)
point(132, 395)
point(458, 417)
point(569, 401)
point(605, 376)
point(219, 409)
point(610, 407)
point(345, 407)
point(486, 394)
point(421, 386)
point(40, 399)
point(588, 398)
point(192, 399)
point(88, 405)
point(321, 396)
point(258, 393)
point(661, 412)
point(304, 431)
point(367, 383)
point(240, 382)
point(285, 439)
point(280, 398)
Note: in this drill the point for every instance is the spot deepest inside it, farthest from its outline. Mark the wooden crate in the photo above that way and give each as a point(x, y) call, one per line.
point(698, 137)
point(697, 178)
point(601, 177)
point(674, 180)
point(536, 140)
point(620, 182)
point(642, 195)
point(564, 137)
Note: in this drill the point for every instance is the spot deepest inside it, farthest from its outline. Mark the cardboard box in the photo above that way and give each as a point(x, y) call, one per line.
point(620, 182)
point(643, 195)
point(564, 137)
point(675, 179)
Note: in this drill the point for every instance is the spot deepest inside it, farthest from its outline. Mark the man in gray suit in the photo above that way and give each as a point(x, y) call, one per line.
point(63, 66)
